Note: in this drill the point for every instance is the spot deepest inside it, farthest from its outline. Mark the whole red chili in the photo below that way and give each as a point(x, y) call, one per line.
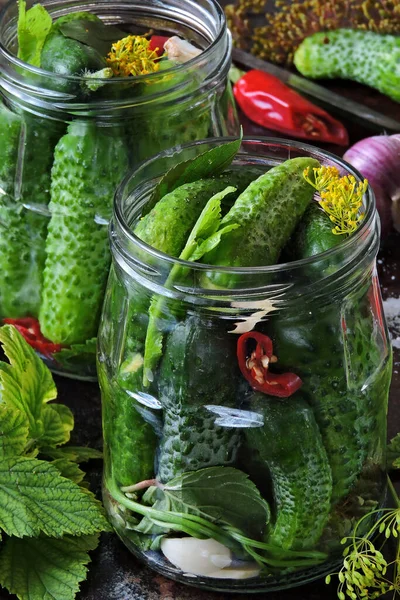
point(157, 43)
point(254, 365)
point(267, 101)
point(29, 328)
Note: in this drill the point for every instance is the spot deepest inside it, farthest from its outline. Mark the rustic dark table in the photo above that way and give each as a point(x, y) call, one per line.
point(114, 573)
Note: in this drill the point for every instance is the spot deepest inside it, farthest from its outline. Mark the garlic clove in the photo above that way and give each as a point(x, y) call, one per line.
point(180, 50)
point(198, 557)
point(245, 572)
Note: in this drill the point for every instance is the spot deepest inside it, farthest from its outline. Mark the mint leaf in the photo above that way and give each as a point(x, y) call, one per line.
point(58, 422)
point(33, 27)
point(204, 236)
point(393, 453)
point(35, 498)
point(73, 453)
point(208, 164)
point(69, 357)
point(26, 383)
point(69, 469)
point(45, 568)
point(14, 430)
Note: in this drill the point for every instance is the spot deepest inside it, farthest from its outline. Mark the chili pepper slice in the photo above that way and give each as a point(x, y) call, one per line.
point(157, 43)
point(254, 366)
point(29, 328)
point(267, 101)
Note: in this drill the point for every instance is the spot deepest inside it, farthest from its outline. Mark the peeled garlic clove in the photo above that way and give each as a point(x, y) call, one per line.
point(199, 557)
point(245, 572)
point(180, 50)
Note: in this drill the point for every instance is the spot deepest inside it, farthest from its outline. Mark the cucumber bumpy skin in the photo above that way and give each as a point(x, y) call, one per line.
point(89, 162)
point(199, 368)
point(26, 155)
point(268, 211)
point(290, 447)
point(362, 56)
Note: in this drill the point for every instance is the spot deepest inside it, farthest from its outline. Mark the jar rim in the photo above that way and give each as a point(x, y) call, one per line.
point(358, 238)
point(192, 63)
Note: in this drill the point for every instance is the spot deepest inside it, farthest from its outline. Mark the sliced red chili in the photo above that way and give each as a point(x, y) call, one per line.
point(269, 102)
point(254, 365)
point(157, 43)
point(29, 328)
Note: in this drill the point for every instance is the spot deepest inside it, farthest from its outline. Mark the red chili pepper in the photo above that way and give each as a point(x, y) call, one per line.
point(267, 101)
point(254, 366)
point(29, 328)
point(157, 43)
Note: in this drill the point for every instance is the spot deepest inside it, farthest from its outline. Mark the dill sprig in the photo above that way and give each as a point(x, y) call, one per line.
point(285, 26)
point(364, 571)
point(132, 56)
point(340, 197)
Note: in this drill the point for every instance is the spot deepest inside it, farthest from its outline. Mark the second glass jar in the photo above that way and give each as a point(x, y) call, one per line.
point(66, 143)
point(208, 481)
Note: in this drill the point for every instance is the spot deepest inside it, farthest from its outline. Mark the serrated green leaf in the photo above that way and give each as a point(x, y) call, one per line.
point(33, 28)
point(58, 422)
point(14, 430)
point(393, 453)
point(45, 568)
point(35, 498)
point(26, 383)
point(67, 357)
point(77, 454)
point(69, 469)
point(207, 164)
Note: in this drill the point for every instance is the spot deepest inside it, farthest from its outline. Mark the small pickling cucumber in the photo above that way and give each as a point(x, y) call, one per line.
point(167, 226)
point(312, 236)
point(290, 447)
point(267, 211)
point(89, 162)
point(199, 368)
point(363, 56)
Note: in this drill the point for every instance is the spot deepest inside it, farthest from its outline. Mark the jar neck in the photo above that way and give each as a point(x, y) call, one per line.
point(40, 91)
point(326, 277)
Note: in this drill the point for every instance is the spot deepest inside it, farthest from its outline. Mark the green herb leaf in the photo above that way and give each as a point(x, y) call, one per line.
point(33, 28)
point(69, 470)
point(95, 34)
point(204, 236)
point(58, 422)
point(77, 454)
point(35, 498)
point(45, 568)
point(68, 357)
point(14, 430)
point(393, 453)
point(208, 164)
point(26, 383)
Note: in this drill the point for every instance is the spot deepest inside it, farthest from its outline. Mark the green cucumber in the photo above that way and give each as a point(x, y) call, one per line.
point(199, 368)
point(268, 211)
point(363, 56)
point(89, 162)
point(26, 154)
point(290, 447)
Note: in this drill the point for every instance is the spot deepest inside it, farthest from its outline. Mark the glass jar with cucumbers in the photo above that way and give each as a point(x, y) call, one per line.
point(244, 363)
point(88, 90)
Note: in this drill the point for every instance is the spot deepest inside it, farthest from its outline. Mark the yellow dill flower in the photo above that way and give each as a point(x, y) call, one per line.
point(132, 56)
point(340, 197)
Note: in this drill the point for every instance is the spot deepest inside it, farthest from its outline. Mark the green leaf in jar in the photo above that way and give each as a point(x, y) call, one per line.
point(95, 34)
point(207, 164)
point(33, 27)
point(393, 453)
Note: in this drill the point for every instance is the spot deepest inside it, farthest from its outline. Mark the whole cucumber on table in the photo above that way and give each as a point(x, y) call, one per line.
point(363, 56)
point(267, 211)
point(89, 162)
point(289, 447)
point(26, 154)
point(199, 368)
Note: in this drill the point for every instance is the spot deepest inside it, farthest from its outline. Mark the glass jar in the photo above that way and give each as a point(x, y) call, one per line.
point(207, 481)
point(65, 144)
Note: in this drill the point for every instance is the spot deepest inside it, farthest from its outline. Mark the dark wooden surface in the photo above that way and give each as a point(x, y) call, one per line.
point(114, 573)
